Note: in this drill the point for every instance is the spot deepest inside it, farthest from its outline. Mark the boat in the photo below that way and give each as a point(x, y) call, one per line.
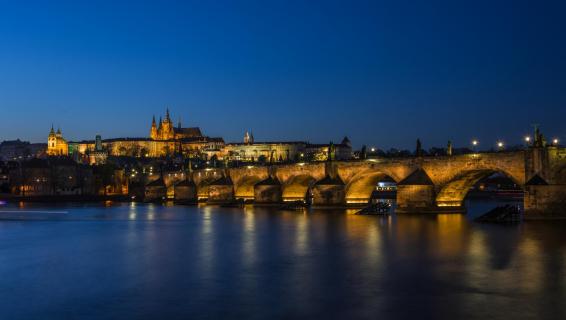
point(235, 204)
point(293, 205)
point(379, 208)
point(502, 214)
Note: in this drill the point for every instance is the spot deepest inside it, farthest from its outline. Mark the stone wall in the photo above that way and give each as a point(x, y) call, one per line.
point(415, 197)
point(545, 200)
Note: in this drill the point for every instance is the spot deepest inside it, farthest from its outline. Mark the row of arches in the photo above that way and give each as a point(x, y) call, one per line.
point(368, 185)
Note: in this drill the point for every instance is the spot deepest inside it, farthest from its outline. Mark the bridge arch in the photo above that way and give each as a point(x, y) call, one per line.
point(360, 188)
point(297, 187)
point(453, 193)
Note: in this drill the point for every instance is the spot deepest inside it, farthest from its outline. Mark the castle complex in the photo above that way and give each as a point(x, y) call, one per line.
point(167, 139)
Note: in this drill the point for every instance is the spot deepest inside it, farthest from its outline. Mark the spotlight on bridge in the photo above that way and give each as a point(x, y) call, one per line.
point(555, 141)
point(475, 143)
point(527, 139)
point(500, 145)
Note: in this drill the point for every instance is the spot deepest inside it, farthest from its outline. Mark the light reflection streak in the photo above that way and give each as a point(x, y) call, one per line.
point(206, 252)
point(249, 238)
point(302, 234)
point(151, 212)
point(133, 211)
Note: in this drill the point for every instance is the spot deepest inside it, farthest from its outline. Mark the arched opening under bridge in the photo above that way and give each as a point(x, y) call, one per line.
point(369, 187)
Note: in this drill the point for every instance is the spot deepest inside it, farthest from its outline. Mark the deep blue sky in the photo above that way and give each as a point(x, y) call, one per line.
point(382, 72)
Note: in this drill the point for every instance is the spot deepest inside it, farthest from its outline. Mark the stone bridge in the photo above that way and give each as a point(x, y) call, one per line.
point(423, 183)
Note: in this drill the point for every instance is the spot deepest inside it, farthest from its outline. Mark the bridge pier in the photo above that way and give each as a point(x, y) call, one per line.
point(416, 193)
point(543, 199)
point(221, 191)
point(329, 191)
point(155, 191)
point(268, 191)
point(185, 191)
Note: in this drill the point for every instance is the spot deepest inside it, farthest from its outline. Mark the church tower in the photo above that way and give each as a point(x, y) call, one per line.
point(166, 131)
point(248, 138)
point(56, 145)
point(51, 140)
point(153, 131)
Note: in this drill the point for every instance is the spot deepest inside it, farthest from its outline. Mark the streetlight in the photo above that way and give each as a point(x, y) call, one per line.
point(555, 141)
point(500, 145)
point(372, 149)
point(527, 139)
point(474, 144)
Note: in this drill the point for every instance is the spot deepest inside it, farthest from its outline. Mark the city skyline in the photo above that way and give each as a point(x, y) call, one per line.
point(286, 71)
point(471, 143)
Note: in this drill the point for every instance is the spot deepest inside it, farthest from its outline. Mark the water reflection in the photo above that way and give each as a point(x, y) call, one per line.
point(249, 238)
point(133, 211)
point(206, 243)
point(195, 262)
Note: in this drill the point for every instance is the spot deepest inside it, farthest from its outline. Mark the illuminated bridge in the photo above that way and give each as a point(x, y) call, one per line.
point(423, 183)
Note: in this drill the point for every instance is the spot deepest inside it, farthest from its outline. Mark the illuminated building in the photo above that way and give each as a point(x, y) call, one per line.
point(164, 140)
point(56, 145)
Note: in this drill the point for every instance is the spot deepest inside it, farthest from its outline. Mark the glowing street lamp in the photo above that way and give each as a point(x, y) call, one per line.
point(500, 144)
point(555, 141)
point(474, 144)
point(527, 139)
point(372, 149)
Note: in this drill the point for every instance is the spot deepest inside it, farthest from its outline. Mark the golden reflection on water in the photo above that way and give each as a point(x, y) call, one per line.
point(301, 240)
point(132, 211)
point(206, 242)
point(249, 237)
point(151, 211)
point(451, 236)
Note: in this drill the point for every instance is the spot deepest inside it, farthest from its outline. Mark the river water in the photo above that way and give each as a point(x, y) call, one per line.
point(143, 261)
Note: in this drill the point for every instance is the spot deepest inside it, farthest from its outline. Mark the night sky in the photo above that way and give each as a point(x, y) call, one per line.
point(381, 72)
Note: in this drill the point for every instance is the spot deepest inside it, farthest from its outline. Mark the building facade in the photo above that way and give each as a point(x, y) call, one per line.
point(56, 144)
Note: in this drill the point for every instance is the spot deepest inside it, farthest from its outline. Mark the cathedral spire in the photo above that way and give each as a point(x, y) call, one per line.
point(52, 130)
point(167, 118)
point(179, 124)
point(153, 121)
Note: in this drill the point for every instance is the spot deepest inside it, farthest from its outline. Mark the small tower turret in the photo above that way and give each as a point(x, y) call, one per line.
point(248, 138)
point(419, 149)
